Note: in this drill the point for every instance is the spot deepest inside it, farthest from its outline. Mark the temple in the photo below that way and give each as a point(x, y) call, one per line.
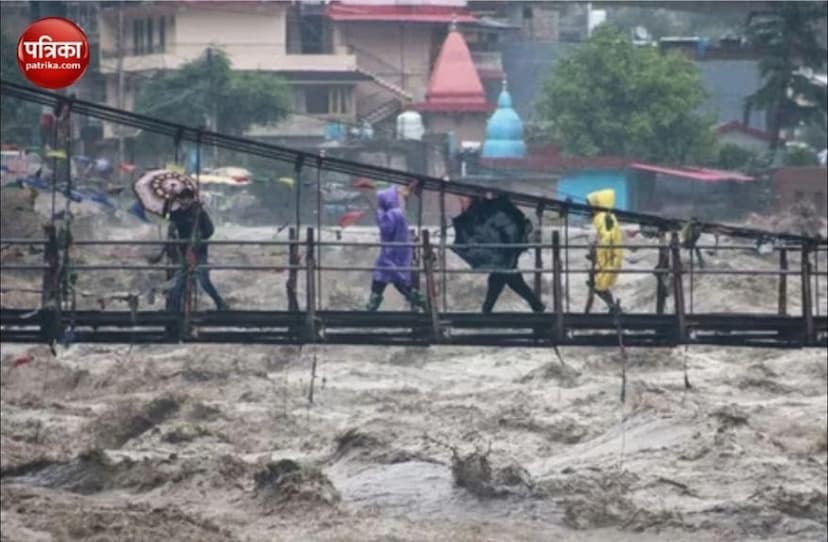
point(455, 101)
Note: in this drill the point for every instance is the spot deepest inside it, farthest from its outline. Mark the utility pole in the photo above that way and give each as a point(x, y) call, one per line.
point(120, 87)
point(214, 103)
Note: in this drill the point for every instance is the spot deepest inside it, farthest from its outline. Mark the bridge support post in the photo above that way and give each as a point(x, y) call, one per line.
point(678, 290)
point(431, 291)
point(443, 234)
point(310, 287)
point(538, 256)
point(783, 282)
point(807, 299)
point(51, 296)
point(661, 279)
point(297, 186)
point(415, 275)
point(557, 287)
point(293, 260)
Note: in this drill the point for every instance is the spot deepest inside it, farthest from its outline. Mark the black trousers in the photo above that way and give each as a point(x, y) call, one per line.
point(498, 281)
point(378, 287)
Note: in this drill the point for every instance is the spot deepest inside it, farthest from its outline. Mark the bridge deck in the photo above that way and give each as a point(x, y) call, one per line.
point(407, 328)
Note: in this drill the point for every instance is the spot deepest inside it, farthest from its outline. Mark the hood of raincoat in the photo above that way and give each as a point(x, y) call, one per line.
point(388, 199)
point(602, 198)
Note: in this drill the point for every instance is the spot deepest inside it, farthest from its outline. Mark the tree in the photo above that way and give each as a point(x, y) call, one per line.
point(208, 87)
point(787, 37)
point(612, 98)
point(801, 155)
point(18, 119)
point(735, 157)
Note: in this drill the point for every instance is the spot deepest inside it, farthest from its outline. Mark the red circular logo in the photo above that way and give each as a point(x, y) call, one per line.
point(53, 52)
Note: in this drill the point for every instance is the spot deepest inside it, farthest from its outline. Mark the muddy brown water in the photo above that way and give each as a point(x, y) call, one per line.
point(110, 443)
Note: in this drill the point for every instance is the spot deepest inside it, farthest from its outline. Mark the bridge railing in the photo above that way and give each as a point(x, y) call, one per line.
point(304, 258)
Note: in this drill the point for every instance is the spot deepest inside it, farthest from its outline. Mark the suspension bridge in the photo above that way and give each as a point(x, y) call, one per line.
point(305, 321)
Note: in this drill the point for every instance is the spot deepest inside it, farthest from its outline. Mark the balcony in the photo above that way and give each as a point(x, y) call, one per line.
point(242, 58)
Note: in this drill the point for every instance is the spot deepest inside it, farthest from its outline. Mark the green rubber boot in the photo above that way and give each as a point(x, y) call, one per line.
point(417, 301)
point(374, 302)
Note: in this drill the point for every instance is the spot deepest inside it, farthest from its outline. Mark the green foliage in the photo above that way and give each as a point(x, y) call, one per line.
point(800, 155)
point(734, 157)
point(788, 37)
point(612, 98)
point(18, 119)
point(192, 94)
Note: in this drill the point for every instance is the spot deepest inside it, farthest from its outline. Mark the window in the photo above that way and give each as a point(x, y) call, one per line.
point(137, 37)
point(162, 34)
point(316, 100)
point(150, 36)
point(325, 100)
point(338, 100)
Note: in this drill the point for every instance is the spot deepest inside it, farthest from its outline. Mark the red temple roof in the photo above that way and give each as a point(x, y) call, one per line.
point(455, 84)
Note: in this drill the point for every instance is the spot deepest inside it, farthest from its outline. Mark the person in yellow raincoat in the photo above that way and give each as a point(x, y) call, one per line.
point(608, 258)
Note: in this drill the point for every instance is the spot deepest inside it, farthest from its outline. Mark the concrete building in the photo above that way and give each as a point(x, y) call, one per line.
point(745, 137)
point(256, 36)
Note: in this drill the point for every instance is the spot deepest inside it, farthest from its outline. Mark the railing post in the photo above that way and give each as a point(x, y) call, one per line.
point(557, 287)
point(50, 297)
point(310, 287)
point(807, 299)
point(661, 279)
point(293, 261)
point(566, 255)
point(417, 258)
point(431, 291)
point(538, 256)
point(297, 185)
point(783, 281)
point(443, 240)
point(51, 273)
point(678, 290)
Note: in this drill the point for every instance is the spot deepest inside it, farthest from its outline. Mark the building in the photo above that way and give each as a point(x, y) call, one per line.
point(398, 43)
point(745, 137)
point(455, 101)
point(349, 62)
point(256, 36)
point(793, 185)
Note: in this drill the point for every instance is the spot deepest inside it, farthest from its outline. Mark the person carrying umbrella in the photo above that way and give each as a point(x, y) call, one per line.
point(393, 263)
point(192, 222)
point(606, 255)
point(495, 220)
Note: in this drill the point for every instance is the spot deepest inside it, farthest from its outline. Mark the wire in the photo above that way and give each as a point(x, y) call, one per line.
point(388, 131)
point(358, 169)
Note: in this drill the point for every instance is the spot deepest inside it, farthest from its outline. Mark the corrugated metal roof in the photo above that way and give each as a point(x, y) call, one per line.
point(697, 174)
point(400, 13)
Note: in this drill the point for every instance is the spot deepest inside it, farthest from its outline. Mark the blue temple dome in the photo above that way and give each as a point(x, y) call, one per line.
point(504, 131)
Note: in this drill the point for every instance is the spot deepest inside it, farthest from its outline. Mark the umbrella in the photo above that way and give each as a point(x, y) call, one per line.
point(155, 189)
point(495, 221)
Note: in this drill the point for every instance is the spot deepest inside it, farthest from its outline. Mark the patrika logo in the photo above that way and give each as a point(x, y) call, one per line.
point(53, 53)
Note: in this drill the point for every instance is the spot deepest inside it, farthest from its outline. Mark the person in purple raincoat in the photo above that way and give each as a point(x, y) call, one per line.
point(393, 262)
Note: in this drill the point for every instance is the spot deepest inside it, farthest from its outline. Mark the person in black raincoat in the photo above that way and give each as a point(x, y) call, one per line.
point(188, 217)
point(495, 220)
